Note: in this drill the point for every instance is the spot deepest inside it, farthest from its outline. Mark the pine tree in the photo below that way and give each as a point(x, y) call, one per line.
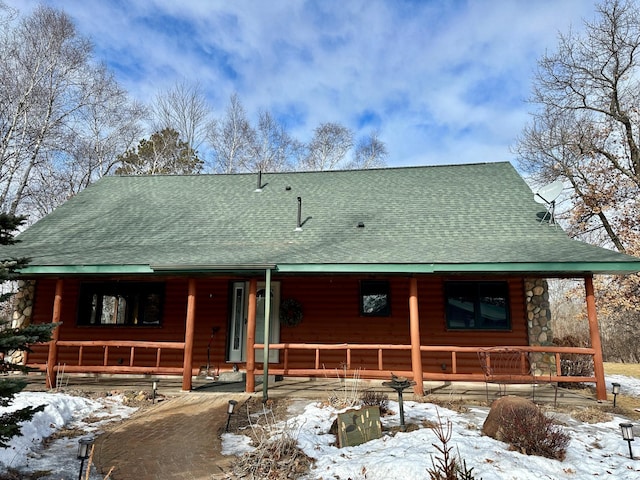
point(12, 339)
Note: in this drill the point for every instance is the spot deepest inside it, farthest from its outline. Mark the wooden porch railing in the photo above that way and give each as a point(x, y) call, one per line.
point(108, 346)
point(318, 368)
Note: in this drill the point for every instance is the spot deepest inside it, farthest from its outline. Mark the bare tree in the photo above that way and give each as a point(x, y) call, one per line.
point(231, 138)
point(51, 93)
point(272, 148)
point(370, 152)
point(586, 127)
point(240, 147)
point(328, 148)
point(585, 132)
point(95, 137)
point(183, 108)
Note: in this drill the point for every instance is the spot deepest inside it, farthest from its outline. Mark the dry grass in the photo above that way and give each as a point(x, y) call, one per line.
point(628, 369)
point(592, 415)
point(276, 455)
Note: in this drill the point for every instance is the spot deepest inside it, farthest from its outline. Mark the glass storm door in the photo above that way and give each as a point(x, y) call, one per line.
point(238, 327)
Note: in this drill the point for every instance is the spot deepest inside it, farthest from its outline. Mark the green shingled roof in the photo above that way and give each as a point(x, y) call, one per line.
point(461, 218)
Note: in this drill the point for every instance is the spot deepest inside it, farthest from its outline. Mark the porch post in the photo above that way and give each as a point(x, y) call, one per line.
point(188, 336)
point(267, 317)
point(250, 386)
point(596, 344)
point(52, 357)
point(414, 322)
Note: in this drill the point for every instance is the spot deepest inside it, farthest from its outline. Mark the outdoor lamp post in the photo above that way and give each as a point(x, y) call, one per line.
point(627, 434)
point(154, 390)
point(615, 389)
point(84, 450)
point(230, 407)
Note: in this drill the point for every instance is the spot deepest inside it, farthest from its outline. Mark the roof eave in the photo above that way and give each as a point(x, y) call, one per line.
point(552, 268)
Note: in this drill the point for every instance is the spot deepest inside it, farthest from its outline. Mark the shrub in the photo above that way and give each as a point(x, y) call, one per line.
point(533, 433)
point(574, 364)
point(369, 398)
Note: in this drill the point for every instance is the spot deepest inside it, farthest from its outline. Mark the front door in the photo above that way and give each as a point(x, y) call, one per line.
point(238, 326)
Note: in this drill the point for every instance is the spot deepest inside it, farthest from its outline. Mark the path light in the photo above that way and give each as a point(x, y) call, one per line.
point(84, 450)
point(615, 389)
point(399, 384)
point(230, 408)
point(627, 434)
point(154, 390)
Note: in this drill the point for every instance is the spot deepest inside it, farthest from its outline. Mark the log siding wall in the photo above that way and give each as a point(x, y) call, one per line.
point(331, 315)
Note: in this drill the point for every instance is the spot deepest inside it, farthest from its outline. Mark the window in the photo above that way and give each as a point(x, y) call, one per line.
point(477, 305)
point(121, 303)
point(375, 300)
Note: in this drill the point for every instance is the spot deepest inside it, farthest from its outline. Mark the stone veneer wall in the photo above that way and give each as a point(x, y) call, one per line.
point(539, 323)
point(22, 310)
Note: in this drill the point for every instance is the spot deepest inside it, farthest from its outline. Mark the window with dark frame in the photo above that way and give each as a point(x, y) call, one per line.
point(477, 305)
point(375, 298)
point(121, 304)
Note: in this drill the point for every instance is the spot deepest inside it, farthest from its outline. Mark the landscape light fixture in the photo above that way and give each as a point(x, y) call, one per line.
point(627, 434)
point(615, 389)
point(154, 390)
point(84, 451)
point(230, 408)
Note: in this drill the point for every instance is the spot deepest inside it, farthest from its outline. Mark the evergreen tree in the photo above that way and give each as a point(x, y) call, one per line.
point(163, 154)
point(12, 339)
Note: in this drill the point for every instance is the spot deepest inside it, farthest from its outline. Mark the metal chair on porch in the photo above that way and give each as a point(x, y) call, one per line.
point(503, 366)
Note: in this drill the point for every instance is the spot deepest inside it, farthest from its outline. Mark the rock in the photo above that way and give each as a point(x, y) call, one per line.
point(501, 413)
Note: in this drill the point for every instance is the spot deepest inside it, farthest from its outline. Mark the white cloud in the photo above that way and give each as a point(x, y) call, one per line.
point(434, 76)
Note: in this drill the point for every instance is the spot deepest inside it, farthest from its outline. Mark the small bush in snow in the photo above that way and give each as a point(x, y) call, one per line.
point(533, 433)
point(447, 466)
point(370, 398)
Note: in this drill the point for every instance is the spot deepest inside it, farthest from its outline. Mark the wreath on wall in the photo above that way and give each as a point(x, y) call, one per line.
point(290, 312)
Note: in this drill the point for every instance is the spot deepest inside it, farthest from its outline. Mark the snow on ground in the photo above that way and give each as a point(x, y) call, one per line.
point(26, 453)
point(594, 451)
point(628, 386)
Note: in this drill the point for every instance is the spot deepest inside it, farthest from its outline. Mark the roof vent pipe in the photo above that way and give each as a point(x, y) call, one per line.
point(259, 188)
point(299, 221)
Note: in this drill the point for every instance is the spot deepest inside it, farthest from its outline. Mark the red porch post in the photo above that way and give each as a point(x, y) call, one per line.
point(250, 386)
point(188, 336)
point(414, 322)
point(596, 344)
point(52, 358)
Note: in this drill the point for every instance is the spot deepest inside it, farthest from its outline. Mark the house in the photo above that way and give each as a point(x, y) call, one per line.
point(405, 270)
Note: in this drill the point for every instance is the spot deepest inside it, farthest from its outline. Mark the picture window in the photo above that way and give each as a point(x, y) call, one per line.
point(477, 305)
point(121, 303)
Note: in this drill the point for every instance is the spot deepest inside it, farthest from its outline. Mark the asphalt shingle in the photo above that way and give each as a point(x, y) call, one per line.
point(460, 214)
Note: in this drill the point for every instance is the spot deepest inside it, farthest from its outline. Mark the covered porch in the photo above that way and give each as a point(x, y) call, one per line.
point(384, 358)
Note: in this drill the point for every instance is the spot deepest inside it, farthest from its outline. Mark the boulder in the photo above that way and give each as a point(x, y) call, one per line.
point(502, 410)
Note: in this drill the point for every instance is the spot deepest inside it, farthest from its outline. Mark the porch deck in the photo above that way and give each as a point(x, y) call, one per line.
point(314, 388)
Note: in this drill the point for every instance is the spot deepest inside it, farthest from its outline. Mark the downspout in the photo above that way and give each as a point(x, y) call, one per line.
point(267, 317)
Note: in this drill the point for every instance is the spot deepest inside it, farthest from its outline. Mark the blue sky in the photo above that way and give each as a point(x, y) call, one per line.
point(442, 81)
